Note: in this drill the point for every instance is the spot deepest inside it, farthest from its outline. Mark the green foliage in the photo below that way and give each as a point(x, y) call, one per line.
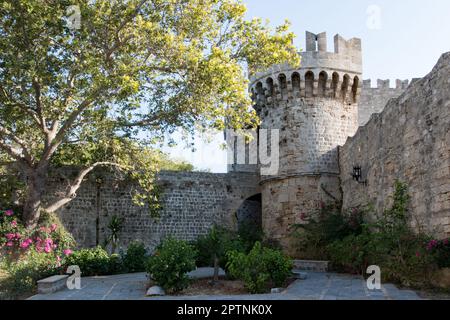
point(327, 225)
point(22, 275)
point(85, 96)
point(94, 262)
point(135, 258)
point(170, 263)
point(116, 265)
point(390, 244)
point(261, 269)
point(441, 251)
point(115, 226)
point(249, 233)
point(217, 243)
point(28, 255)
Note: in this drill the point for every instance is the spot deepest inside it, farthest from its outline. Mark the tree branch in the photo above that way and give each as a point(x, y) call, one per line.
point(17, 140)
point(76, 184)
point(12, 152)
point(37, 96)
point(22, 106)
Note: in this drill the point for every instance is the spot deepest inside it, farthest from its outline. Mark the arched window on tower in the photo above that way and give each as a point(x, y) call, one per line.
point(355, 88)
point(296, 82)
point(345, 84)
point(309, 84)
point(270, 86)
point(260, 92)
point(283, 84)
point(334, 84)
point(322, 90)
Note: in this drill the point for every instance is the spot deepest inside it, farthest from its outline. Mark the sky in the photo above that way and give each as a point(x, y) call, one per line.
point(401, 39)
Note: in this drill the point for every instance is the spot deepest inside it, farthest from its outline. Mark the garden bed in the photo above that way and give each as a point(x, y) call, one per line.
point(223, 287)
point(207, 287)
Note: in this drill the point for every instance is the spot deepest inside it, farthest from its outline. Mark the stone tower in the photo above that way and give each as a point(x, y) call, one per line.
point(315, 109)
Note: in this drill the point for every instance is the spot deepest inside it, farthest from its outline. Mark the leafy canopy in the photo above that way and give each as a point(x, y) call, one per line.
point(132, 71)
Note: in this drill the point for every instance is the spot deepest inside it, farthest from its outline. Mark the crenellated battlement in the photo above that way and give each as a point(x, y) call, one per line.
point(386, 84)
point(374, 99)
point(322, 74)
point(306, 83)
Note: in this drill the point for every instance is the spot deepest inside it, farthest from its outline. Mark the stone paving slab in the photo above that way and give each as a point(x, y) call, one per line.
point(317, 286)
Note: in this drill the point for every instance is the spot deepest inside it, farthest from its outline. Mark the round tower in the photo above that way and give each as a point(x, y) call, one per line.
point(315, 109)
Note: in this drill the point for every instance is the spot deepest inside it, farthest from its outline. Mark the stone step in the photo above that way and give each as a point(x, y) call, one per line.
point(311, 265)
point(52, 284)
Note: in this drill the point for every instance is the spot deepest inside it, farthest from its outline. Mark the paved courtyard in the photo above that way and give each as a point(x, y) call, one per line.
point(317, 286)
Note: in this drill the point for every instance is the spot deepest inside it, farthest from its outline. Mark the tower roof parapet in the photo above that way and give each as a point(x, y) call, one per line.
point(346, 58)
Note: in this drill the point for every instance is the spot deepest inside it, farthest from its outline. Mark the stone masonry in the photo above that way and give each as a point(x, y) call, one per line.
point(409, 141)
point(404, 133)
point(373, 100)
point(315, 109)
point(192, 203)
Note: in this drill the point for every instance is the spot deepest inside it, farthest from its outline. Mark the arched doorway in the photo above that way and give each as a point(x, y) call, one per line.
point(249, 218)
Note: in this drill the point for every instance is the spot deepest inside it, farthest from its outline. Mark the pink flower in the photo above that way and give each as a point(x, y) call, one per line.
point(18, 236)
point(53, 227)
point(10, 236)
point(47, 249)
point(9, 212)
point(25, 244)
point(67, 252)
point(9, 244)
point(432, 244)
point(14, 223)
point(43, 229)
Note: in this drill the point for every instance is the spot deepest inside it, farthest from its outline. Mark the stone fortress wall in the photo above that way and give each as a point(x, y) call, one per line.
point(316, 108)
point(192, 203)
point(408, 141)
point(374, 99)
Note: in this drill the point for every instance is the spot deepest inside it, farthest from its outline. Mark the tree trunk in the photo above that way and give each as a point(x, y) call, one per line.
point(216, 269)
point(37, 179)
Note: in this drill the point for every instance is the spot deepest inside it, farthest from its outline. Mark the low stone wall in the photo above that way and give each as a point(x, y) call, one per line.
point(192, 203)
point(409, 141)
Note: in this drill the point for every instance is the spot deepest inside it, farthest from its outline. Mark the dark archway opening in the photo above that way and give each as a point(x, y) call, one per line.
point(249, 219)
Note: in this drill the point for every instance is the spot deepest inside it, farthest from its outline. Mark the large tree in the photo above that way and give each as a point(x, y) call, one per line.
point(82, 89)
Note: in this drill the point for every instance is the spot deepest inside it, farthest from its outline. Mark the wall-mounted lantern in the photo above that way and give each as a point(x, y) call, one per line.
point(357, 175)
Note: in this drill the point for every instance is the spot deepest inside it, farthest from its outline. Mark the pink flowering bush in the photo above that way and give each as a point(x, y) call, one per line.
point(16, 242)
point(441, 250)
point(30, 255)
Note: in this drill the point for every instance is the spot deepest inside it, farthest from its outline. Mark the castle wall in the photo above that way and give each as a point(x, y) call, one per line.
point(409, 141)
point(192, 203)
point(315, 109)
point(373, 100)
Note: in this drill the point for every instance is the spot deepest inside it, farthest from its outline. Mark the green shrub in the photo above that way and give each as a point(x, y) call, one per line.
point(24, 274)
point(327, 225)
point(441, 251)
point(135, 258)
point(216, 244)
point(170, 264)
point(390, 244)
point(95, 262)
point(260, 269)
point(248, 234)
point(116, 264)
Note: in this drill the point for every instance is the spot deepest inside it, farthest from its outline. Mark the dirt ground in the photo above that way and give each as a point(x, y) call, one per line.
point(222, 287)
